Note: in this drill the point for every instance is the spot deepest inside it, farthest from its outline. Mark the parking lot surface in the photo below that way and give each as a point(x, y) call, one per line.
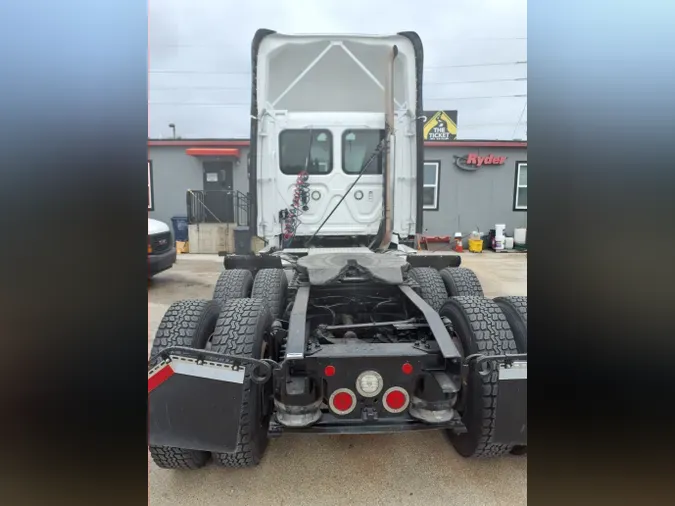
point(400, 469)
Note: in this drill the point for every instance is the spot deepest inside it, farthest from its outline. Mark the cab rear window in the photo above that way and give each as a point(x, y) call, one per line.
point(310, 150)
point(357, 148)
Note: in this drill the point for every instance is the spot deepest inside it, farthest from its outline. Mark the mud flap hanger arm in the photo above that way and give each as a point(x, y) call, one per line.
point(485, 364)
point(261, 371)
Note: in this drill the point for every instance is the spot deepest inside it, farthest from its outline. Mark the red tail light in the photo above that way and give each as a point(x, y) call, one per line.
point(395, 400)
point(342, 401)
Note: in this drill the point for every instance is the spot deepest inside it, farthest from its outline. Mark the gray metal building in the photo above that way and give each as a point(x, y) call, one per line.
point(176, 166)
point(473, 185)
point(468, 185)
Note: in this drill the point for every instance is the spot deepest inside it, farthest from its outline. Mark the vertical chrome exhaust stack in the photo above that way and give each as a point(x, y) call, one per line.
point(388, 176)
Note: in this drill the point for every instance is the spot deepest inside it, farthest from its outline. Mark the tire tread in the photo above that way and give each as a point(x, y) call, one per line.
point(490, 333)
point(185, 323)
point(432, 288)
point(460, 281)
point(514, 308)
point(271, 285)
point(238, 333)
point(233, 284)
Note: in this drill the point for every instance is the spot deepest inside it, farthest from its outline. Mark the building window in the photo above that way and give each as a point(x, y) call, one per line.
point(430, 185)
point(357, 148)
point(151, 200)
point(296, 145)
point(520, 194)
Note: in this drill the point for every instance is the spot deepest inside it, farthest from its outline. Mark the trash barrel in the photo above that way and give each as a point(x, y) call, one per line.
point(180, 228)
point(242, 241)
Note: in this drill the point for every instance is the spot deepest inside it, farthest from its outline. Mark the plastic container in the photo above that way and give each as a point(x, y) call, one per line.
point(520, 236)
point(180, 228)
point(476, 245)
point(499, 237)
point(508, 243)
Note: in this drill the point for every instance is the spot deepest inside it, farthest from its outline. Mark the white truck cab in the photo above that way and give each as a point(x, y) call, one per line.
point(321, 106)
point(161, 247)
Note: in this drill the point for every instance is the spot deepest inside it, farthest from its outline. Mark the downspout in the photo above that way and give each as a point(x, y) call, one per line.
point(388, 176)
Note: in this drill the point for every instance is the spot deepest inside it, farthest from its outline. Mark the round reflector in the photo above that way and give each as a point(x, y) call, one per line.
point(342, 401)
point(395, 400)
point(329, 370)
point(407, 368)
point(369, 383)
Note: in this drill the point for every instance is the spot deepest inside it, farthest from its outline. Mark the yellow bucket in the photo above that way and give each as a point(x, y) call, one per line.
point(476, 245)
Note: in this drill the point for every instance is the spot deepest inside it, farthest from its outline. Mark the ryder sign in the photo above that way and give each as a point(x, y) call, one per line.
point(472, 161)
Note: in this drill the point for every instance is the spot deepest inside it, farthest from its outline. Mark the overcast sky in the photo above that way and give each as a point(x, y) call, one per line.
point(199, 58)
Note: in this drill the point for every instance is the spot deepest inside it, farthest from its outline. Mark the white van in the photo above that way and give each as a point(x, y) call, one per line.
point(161, 247)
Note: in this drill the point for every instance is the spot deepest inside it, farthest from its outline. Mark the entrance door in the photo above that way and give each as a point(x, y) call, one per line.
point(219, 192)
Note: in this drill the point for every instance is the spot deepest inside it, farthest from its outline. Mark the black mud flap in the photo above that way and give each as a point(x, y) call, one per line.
point(194, 404)
point(511, 410)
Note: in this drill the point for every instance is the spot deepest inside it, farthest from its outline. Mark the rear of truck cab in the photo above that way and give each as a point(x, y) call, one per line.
point(329, 135)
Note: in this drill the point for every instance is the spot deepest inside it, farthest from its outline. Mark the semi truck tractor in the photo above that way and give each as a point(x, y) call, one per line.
point(338, 325)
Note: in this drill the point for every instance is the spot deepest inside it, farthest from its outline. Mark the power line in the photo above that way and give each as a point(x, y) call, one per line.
point(476, 125)
point(225, 44)
point(476, 38)
point(476, 98)
point(188, 88)
point(247, 88)
point(217, 72)
point(201, 104)
point(523, 62)
point(246, 104)
point(515, 79)
point(205, 72)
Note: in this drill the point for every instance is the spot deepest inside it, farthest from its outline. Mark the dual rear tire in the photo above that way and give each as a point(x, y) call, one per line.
point(241, 330)
point(232, 324)
point(269, 285)
point(233, 284)
point(186, 323)
point(460, 281)
point(515, 311)
point(235, 324)
point(479, 325)
point(436, 286)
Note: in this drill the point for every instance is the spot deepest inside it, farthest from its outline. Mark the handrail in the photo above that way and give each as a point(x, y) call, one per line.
point(199, 212)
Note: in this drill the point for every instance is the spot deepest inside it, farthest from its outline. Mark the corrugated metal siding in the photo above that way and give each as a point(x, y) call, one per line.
point(474, 199)
point(174, 172)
